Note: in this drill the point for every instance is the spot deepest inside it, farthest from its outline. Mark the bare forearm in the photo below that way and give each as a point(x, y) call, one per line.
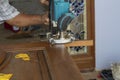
point(22, 20)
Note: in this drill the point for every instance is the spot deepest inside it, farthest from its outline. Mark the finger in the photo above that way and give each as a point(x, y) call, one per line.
point(46, 2)
point(47, 22)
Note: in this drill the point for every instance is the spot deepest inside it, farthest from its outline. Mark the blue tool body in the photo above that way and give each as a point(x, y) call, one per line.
point(64, 11)
point(60, 7)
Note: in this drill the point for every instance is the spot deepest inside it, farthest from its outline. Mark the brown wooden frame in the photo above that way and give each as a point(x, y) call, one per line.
point(54, 63)
point(87, 61)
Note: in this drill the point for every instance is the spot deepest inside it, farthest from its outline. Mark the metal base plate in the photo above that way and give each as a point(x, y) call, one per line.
point(61, 40)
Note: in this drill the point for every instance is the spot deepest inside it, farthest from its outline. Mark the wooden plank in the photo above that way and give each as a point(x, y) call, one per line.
point(61, 64)
point(80, 43)
point(24, 49)
point(42, 45)
point(43, 66)
point(24, 46)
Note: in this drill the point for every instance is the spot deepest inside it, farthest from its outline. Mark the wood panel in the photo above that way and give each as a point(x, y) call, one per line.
point(26, 70)
point(87, 64)
point(51, 63)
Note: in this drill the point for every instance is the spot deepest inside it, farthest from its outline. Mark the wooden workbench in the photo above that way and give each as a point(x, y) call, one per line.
point(47, 62)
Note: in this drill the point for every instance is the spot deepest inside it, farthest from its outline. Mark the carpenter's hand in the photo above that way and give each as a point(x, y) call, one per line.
point(45, 19)
point(46, 2)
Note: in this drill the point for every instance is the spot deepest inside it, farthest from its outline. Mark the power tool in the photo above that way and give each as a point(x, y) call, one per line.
point(62, 13)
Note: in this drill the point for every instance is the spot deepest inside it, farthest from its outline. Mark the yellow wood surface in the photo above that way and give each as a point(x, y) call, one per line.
point(80, 43)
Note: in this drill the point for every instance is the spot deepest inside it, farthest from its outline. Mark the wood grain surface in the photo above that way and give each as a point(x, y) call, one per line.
point(2, 56)
point(61, 64)
point(46, 63)
point(26, 70)
point(80, 43)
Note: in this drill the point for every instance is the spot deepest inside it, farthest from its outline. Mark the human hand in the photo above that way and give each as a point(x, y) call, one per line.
point(46, 2)
point(45, 19)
